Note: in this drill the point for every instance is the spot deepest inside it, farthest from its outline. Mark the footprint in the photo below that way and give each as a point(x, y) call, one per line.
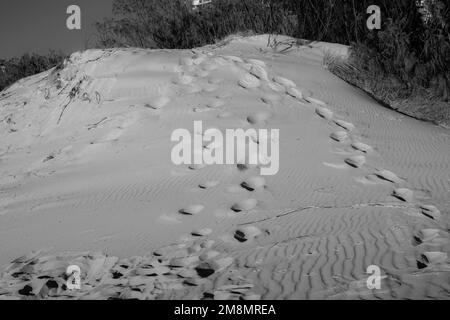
point(209, 184)
point(245, 166)
point(246, 233)
point(315, 101)
point(259, 72)
point(325, 113)
point(192, 209)
point(295, 93)
point(276, 87)
point(430, 211)
point(345, 125)
point(388, 176)
point(202, 232)
point(403, 194)
point(158, 103)
point(217, 103)
point(361, 147)
point(244, 205)
point(270, 98)
point(254, 183)
point(431, 258)
point(197, 166)
point(284, 82)
point(259, 118)
point(339, 136)
point(431, 237)
point(356, 161)
point(248, 81)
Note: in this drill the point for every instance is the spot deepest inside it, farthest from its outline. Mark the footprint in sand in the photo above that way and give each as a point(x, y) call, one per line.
point(259, 72)
point(248, 81)
point(216, 103)
point(284, 82)
point(245, 166)
point(431, 237)
point(294, 93)
point(244, 205)
point(192, 209)
point(431, 258)
point(325, 113)
point(247, 233)
point(254, 183)
point(365, 148)
point(345, 125)
point(197, 166)
point(276, 87)
point(209, 184)
point(403, 194)
point(388, 176)
point(315, 101)
point(158, 103)
point(339, 136)
point(430, 211)
point(202, 232)
point(356, 161)
point(270, 99)
point(259, 118)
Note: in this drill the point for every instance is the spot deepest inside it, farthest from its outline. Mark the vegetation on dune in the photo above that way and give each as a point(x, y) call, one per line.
point(407, 60)
point(412, 48)
point(14, 69)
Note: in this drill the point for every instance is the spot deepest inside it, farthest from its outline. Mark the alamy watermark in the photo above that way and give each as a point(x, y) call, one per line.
point(237, 146)
point(374, 280)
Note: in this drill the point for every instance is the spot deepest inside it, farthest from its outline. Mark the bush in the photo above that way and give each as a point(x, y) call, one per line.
point(175, 24)
point(17, 68)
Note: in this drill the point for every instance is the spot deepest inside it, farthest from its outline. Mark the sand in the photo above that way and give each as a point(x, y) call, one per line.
point(85, 168)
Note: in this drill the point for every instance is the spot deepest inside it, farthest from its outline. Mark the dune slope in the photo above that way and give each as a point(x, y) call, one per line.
point(85, 167)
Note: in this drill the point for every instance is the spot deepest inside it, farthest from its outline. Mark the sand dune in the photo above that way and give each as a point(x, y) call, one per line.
point(85, 167)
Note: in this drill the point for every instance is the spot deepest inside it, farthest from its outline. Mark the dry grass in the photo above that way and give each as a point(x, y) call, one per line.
point(418, 102)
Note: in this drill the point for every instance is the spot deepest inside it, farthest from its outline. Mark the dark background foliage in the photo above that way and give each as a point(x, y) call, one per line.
point(14, 69)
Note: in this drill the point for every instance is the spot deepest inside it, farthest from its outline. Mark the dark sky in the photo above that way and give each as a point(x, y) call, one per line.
point(40, 25)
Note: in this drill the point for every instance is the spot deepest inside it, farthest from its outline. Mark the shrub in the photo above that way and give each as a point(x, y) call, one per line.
point(17, 68)
point(175, 24)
